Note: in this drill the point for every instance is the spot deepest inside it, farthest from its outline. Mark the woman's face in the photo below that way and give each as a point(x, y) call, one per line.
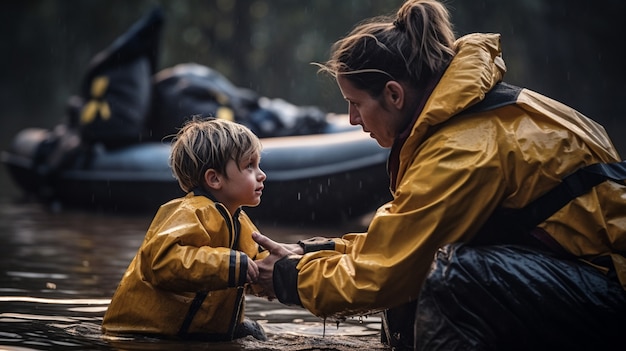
point(378, 117)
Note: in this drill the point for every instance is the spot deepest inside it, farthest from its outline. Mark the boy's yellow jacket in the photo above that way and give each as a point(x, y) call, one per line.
point(453, 172)
point(188, 277)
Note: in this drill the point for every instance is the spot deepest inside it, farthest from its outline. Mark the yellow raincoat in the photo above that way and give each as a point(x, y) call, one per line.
point(453, 172)
point(188, 276)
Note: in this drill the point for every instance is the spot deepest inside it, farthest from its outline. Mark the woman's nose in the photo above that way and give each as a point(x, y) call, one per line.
point(355, 118)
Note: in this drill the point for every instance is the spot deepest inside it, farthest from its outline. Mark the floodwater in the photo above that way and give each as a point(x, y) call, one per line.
point(59, 269)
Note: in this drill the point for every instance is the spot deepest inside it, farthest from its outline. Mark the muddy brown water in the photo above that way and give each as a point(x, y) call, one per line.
point(59, 269)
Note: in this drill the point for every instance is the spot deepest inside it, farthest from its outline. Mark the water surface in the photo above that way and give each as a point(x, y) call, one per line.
point(59, 269)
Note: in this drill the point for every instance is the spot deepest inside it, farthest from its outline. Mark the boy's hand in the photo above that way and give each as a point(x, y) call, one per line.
point(253, 272)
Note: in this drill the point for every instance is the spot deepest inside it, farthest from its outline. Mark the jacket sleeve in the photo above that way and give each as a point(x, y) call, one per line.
point(447, 192)
point(348, 241)
point(286, 280)
point(180, 254)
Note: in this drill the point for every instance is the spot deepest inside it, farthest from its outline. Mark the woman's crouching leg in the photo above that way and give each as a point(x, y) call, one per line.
point(515, 298)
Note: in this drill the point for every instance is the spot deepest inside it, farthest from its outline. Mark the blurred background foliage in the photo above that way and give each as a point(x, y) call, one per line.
point(567, 49)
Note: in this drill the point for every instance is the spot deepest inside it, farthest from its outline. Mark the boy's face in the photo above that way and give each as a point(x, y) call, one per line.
point(244, 184)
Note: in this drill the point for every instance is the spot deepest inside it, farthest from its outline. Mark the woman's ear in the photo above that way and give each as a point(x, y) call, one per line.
point(394, 94)
point(212, 179)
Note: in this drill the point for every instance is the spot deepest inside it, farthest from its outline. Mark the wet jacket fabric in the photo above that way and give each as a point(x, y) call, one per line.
point(187, 279)
point(454, 170)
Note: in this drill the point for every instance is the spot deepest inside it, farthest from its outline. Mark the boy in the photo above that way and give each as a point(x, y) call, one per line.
point(189, 276)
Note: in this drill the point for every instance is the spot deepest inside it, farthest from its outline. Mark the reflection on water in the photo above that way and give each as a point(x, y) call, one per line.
point(59, 270)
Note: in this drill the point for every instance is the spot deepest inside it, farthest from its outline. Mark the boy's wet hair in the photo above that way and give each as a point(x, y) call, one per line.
point(204, 143)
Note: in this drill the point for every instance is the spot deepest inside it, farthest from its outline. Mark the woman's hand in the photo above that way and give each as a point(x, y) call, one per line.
point(266, 265)
point(293, 248)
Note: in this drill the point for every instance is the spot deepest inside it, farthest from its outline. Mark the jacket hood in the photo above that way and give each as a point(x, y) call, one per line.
point(475, 69)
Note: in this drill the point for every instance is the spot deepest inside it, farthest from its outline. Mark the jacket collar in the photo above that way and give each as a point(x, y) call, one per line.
point(198, 191)
point(474, 70)
point(393, 163)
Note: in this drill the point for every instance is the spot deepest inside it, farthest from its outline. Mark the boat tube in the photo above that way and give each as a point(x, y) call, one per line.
point(322, 177)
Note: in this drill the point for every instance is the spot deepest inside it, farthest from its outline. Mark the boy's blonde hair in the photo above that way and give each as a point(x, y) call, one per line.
point(204, 143)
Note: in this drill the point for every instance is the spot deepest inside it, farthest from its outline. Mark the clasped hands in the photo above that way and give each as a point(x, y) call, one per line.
point(261, 272)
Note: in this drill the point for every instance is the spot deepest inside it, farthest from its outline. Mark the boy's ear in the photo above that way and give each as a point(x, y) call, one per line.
point(212, 179)
point(394, 94)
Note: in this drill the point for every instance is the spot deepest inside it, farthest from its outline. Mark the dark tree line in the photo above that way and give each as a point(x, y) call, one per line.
point(567, 49)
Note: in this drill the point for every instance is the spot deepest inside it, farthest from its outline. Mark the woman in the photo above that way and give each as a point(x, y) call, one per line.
point(469, 155)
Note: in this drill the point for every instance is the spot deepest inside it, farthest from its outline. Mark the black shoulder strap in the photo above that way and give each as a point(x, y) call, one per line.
point(574, 185)
point(501, 94)
point(516, 223)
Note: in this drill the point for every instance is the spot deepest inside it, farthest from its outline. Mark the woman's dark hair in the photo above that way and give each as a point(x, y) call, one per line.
point(409, 47)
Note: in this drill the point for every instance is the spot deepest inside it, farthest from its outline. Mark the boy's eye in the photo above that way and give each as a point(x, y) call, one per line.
point(251, 165)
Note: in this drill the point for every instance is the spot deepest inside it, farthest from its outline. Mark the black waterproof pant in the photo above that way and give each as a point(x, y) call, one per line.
point(516, 298)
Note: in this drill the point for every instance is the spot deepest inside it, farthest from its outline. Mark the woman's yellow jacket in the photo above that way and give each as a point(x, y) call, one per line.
point(188, 276)
point(454, 170)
